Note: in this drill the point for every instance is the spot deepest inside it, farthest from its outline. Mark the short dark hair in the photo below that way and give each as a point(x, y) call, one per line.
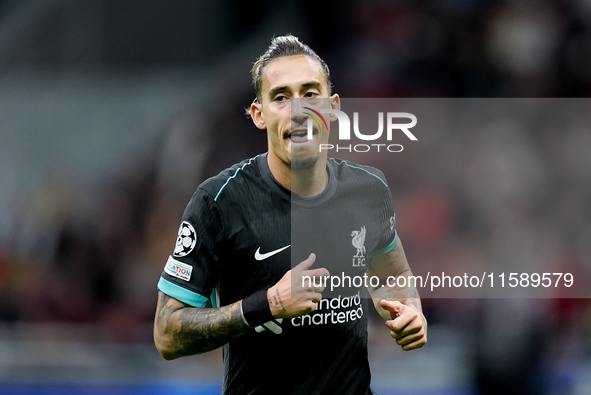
point(287, 45)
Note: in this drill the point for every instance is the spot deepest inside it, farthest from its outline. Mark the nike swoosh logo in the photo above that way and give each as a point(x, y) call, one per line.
point(260, 257)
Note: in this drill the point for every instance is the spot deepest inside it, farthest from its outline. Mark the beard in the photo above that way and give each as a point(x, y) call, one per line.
point(303, 160)
point(303, 163)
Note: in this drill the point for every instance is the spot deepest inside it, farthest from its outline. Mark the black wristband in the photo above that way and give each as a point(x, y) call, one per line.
point(255, 309)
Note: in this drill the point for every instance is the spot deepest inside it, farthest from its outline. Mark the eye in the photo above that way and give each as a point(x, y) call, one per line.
point(280, 98)
point(311, 94)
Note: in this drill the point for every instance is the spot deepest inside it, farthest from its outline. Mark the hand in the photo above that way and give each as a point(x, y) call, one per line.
point(288, 298)
point(408, 326)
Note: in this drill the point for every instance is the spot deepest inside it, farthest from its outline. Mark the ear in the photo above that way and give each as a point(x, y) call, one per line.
point(256, 113)
point(335, 104)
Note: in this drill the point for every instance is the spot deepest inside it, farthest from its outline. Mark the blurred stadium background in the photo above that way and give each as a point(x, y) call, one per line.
point(111, 112)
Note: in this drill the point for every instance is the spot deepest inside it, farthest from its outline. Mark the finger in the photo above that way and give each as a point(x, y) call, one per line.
point(411, 338)
point(316, 287)
point(405, 325)
point(400, 333)
point(311, 306)
point(316, 297)
point(407, 322)
point(393, 306)
point(414, 345)
point(398, 328)
point(316, 273)
point(305, 264)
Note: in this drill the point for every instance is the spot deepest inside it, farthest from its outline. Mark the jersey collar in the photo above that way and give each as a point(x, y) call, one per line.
point(293, 198)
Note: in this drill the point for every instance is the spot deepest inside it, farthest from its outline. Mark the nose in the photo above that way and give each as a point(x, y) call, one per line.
point(297, 111)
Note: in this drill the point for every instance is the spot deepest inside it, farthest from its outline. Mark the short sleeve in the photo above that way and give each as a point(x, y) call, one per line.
point(387, 223)
point(191, 271)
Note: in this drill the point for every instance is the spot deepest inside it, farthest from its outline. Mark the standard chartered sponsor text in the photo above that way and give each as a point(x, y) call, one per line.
point(338, 310)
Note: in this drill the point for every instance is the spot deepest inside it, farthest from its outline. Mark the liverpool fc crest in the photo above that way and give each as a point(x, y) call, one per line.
point(358, 242)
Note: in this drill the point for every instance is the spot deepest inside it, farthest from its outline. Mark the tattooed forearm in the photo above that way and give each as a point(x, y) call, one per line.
point(393, 264)
point(397, 293)
point(180, 330)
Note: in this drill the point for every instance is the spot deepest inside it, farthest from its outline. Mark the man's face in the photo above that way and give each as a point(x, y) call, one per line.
point(288, 84)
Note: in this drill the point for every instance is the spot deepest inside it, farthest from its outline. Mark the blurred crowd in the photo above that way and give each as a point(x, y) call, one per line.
point(498, 194)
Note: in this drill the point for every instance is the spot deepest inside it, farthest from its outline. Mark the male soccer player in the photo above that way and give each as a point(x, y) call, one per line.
point(243, 228)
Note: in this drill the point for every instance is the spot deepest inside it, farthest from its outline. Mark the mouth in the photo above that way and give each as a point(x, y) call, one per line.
point(299, 135)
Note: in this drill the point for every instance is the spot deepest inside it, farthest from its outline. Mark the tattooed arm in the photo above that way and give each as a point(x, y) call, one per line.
point(181, 330)
point(399, 306)
point(393, 265)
